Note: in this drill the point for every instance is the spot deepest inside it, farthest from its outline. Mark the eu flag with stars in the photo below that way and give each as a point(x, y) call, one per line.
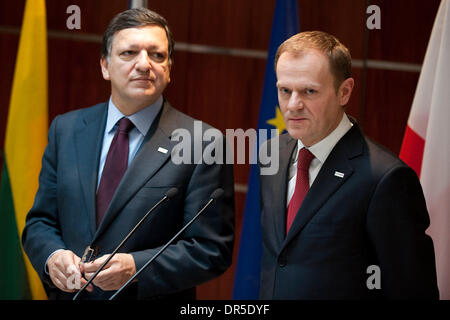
point(246, 282)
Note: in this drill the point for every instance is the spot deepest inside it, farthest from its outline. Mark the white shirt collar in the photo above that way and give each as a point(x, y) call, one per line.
point(142, 119)
point(323, 148)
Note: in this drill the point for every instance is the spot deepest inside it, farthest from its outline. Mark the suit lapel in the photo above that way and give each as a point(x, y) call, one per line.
point(146, 163)
point(279, 186)
point(88, 143)
point(334, 173)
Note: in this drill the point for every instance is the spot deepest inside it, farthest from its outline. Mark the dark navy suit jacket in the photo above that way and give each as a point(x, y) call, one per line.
point(374, 215)
point(63, 214)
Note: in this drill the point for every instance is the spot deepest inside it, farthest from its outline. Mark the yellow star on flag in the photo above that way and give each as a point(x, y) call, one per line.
point(278, 121)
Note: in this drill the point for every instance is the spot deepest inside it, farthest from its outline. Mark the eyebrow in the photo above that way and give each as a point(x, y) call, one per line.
point(285, 84)
point(134, 46)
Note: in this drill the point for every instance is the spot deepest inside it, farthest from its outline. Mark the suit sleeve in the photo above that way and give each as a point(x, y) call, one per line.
point(396, 222)
point(42, 236)
point(204, 250)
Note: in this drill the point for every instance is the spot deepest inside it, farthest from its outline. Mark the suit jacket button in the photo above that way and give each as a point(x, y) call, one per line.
point(282, 262)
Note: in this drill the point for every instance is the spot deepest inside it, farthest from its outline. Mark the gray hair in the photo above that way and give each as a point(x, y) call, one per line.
point(132, 18)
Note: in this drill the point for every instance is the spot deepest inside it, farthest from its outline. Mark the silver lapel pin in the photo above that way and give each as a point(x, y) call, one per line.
point(339, 174)
point(162, 150)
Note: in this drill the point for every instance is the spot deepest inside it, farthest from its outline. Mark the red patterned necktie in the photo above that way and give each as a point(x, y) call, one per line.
point(301, 185)
point(115, 167)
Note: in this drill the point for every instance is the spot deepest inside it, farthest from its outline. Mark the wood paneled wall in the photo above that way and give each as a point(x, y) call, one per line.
point(224, 89)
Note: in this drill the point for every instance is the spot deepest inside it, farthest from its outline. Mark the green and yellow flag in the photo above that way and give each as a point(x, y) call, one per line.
point(26, 138)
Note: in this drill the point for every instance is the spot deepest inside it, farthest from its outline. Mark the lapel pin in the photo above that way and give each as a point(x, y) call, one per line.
point(162, 150)
point(338, 174)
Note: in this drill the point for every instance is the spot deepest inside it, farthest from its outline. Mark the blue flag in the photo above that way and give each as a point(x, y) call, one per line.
point(246, 281)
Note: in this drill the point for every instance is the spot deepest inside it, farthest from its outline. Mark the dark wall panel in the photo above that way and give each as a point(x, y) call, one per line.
point(75, 81)
point(8, 59)
point(345, 19)
point(405, 30)
point(222, 287)
point(389, 98)
point(221, 90)
point(95, 15)
point(241, 24)
point(11, 13)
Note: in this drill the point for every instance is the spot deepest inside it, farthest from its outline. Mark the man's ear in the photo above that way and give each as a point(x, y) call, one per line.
point(104, 67)
point(345, 91)
point(170, 71)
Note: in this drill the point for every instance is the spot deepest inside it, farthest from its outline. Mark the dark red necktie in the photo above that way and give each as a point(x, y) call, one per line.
point(115, 166)
point(301, 185)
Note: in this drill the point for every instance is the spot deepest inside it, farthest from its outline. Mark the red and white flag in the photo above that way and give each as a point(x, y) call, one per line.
point(426, 144)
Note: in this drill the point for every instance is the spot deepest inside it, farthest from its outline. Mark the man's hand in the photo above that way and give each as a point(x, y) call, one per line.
point(63, 268)
point(114, 275)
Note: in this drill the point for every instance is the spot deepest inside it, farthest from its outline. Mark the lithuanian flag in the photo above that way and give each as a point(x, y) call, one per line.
point(26, 137)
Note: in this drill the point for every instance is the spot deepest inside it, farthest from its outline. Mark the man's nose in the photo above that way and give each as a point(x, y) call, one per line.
point(295, 102)
point(143, 63)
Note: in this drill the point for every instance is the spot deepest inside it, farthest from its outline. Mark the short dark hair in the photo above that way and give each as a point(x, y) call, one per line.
point(338, 55)
point(133, 18)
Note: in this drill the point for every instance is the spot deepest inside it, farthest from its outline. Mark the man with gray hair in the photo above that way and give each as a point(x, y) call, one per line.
point(105, 166)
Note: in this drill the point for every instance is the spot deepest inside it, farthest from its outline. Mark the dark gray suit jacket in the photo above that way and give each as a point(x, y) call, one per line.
point(374, 215)
point(63, 214)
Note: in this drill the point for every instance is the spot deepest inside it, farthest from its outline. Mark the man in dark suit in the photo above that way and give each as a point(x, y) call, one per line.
point(343, 218)
point(107, 165)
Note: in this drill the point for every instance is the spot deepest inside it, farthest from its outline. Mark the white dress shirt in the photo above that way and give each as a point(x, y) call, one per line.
point(320, 150)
